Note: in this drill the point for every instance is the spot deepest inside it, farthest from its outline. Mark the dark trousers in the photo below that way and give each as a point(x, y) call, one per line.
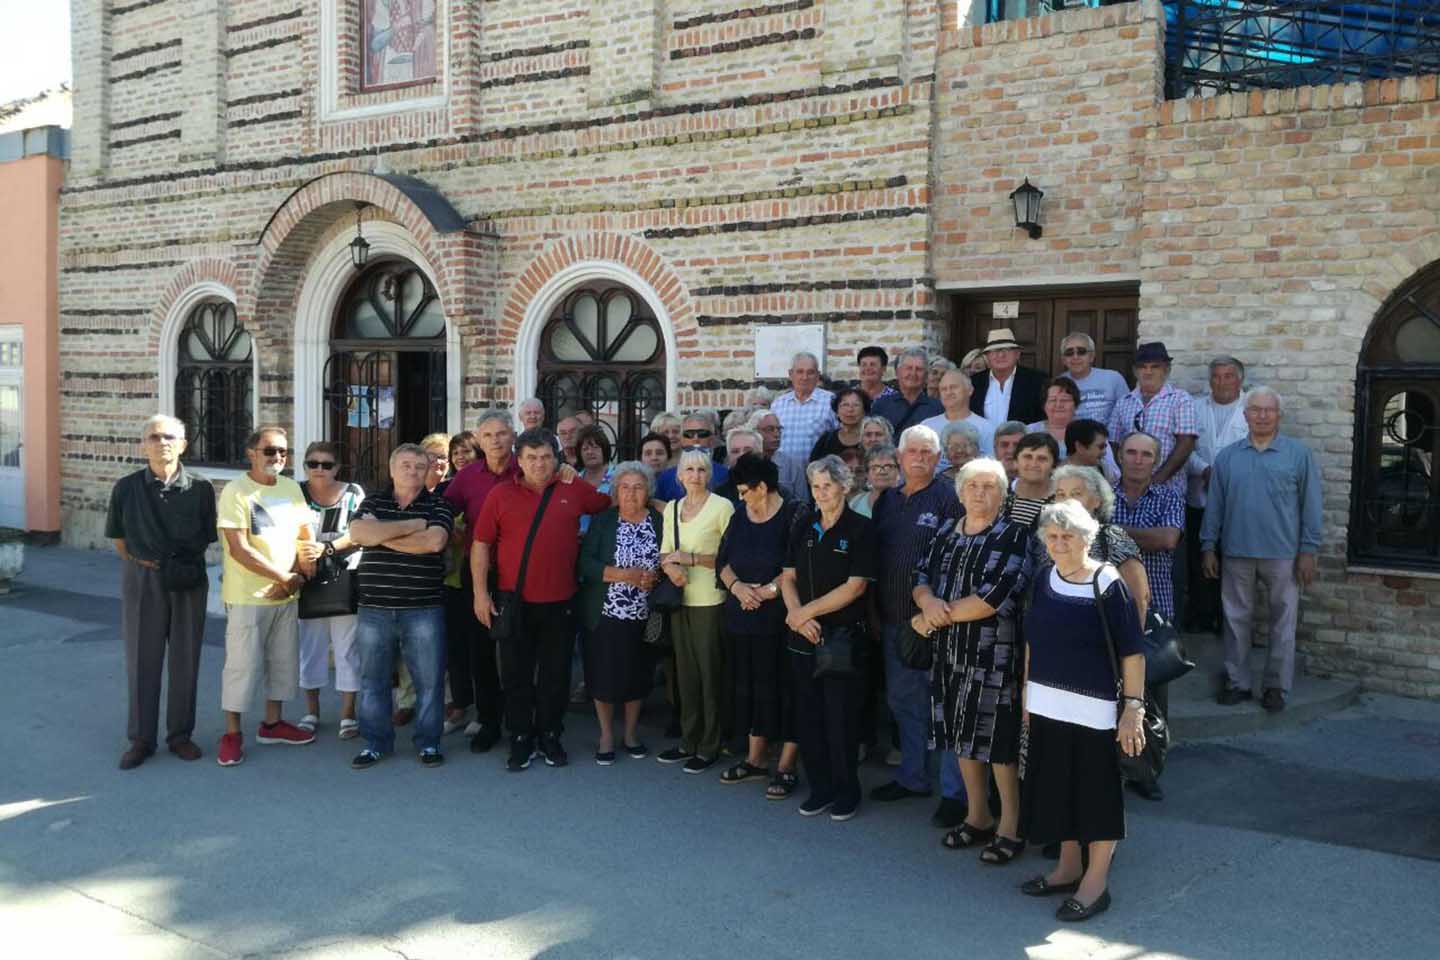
point(827, 719)
point(474, 674)
point(761, 694)
point(154, 621)
point(535, 669)
point(1202, 604)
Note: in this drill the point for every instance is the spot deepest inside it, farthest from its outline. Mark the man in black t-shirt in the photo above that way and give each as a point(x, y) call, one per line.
point(401, 605)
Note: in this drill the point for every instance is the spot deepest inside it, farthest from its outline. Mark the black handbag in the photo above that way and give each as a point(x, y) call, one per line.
point(505, 624)
point(1147, 765)
point(1165, 659)
point(179, 570)
point(665, 597)
point(913, 649)
point(836, 654)
point(331, 592)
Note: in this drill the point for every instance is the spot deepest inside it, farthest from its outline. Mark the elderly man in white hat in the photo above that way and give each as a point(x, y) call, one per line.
point(1007, 391)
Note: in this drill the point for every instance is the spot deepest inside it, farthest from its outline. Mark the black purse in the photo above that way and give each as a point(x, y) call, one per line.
point(179, 571)
point(1147, 765)
point(331, 592)
point(914, 650)
point(836, 655)
point(505, 624)
point(665, 597)
point(1165, 659)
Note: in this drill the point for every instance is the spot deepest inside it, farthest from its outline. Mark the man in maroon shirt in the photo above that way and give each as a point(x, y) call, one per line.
point(534, 666)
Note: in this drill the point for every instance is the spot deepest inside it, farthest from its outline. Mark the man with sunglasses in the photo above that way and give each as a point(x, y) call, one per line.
point(263, 517)
point(1100, 389)
point(698, 431)
point(157, 512)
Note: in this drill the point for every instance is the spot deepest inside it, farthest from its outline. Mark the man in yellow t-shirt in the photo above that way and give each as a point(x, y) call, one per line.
point(263, 519)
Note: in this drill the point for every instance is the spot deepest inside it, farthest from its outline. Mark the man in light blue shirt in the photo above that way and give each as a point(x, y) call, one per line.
point(1265, 512)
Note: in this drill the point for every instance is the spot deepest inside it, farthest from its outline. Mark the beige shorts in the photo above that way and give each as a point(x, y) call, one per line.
point(261, 643)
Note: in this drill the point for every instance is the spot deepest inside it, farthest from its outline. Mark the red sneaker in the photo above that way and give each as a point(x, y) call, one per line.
point(232, 750)
point(284, 732)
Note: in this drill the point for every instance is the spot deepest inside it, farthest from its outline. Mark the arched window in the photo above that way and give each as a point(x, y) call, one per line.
point(214, 388)
point(602, 352)
point(1395, 515)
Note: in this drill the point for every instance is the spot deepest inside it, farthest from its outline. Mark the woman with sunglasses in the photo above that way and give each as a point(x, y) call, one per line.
point(334, 504)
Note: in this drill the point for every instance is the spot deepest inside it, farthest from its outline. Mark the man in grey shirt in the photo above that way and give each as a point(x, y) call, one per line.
point(1264, 508)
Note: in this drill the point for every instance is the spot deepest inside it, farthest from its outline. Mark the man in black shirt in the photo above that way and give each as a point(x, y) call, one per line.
point(161, 513)
point(401, 604)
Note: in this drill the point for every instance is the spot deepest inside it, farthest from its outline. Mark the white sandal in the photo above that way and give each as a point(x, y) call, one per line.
point(349, 729)
point(308, 723)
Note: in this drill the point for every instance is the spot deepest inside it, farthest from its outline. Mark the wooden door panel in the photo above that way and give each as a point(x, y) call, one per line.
point(1032, 329)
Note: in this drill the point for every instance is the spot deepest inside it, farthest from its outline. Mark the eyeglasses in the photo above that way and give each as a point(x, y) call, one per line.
point(163, 437)
point(1076, 352)
point(884, 466)
point(320, 464)
point(697, 434)
point(275, 451)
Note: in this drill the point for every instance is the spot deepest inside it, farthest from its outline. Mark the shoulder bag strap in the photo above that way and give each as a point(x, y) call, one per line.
point(1105, 628)
point(530, 540)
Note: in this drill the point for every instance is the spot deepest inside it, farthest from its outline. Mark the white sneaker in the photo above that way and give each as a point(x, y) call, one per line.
point(450, 726)
point(472, 728)
point(893, 758)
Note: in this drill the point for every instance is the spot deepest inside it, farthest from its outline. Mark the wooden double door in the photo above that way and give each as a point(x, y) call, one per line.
point(1042, 322)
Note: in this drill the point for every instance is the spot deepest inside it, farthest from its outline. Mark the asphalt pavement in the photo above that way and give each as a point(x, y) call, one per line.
point(1317, 842)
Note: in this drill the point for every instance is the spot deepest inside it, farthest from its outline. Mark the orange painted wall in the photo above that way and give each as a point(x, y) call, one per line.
point(29, 207)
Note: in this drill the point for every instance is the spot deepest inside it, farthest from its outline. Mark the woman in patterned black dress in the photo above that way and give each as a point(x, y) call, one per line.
point(968, 590)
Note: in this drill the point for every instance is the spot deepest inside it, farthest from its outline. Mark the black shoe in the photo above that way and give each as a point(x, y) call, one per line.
point(845, 809)
point(1149, 789)
point(637, 751)
point(1272, 700)
point(815, 806)
point(366, 759)
point(484, 739)
point(522, 751)
point(698, 764)
point(432, 757)
point(1040, 887)
point(1073, 911)
point(553, 752)
point(674, 755)
point(950, 813)
point(604, 757)
point(1233, 695)
point(895, 790)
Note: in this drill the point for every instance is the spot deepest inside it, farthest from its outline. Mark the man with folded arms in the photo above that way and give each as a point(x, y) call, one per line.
point(534, 663)
point(161, 510)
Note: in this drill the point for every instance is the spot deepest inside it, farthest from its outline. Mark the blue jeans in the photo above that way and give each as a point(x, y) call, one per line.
point(908, 694)
point(420, 636)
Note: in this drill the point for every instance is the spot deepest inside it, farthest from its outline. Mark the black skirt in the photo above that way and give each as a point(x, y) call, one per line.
point(618, 665)
point(1071, 789)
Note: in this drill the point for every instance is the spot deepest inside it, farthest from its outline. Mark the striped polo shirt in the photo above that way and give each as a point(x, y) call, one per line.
point(395, 580)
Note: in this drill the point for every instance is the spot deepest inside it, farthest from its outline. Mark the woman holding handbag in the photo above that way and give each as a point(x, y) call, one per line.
point(334, 504)
point(830, 561)
point(1079, 609)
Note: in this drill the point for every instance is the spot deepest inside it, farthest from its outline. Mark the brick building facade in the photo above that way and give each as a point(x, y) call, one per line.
point(724, 168)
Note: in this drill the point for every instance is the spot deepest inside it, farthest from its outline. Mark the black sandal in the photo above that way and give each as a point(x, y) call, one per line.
point(782, 784)
point(742, 771)
point(966, 835)
point(1001, 851)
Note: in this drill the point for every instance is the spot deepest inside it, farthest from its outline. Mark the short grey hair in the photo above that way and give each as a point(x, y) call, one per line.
point(1071, 517)
point(833, 467)
point(405, 448)
point(944, 363)
point(163, 419)
point(661, 418)
point(754, 422)
point(915, 353)
point(982, 465)
point(760, 396)
point(696, 457)
point(633, 466)
point(735, 419)
point(1009, 427)
point(1081, 338)
point(531, 400)
point(964, 429)
point(804, 355)
point(703, 413)
point(1094, 482)
point(882, 422)
point(1228, 362)
point(501, 415)
point(917, 434)
point(744, 432)
point(883, 450)
point(1265, 392)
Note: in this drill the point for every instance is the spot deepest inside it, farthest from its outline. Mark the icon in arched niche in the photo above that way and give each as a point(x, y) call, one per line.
point(399, 42)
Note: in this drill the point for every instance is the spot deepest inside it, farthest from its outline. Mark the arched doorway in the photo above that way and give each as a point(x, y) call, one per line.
point(385, 380)
point(1395, 515)
point(602, 351)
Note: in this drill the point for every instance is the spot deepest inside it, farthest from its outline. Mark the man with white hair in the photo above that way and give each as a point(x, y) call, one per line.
point(1220, 417)
point(911, 405)
point(530, 413)
point(792, 469)
point(162, 517)
point(1264, 512)
point(805, 411)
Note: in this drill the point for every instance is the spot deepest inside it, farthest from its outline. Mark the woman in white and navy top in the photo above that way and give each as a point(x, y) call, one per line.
point(1072, 775)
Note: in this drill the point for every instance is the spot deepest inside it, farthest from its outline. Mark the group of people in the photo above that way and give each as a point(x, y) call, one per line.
point(782, 563)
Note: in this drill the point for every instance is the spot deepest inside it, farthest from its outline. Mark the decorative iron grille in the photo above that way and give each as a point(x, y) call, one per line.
point(1222, 46)
point(214, 386)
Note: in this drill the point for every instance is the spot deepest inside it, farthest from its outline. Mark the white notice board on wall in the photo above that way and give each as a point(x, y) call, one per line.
point(777, 343)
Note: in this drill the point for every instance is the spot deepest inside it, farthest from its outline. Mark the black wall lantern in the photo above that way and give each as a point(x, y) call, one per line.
point(359, 247)
point(1027, 207)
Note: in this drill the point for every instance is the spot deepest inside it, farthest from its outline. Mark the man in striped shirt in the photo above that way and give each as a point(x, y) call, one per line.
point(401, 605)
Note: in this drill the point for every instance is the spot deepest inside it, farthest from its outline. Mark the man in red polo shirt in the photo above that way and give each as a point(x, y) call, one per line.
point(534, 666)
